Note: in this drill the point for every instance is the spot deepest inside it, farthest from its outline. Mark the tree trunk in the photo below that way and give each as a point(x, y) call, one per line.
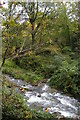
point(78, 49)
point(4, 58)
point(33, 35)
point(33, 39)
point(40, 35)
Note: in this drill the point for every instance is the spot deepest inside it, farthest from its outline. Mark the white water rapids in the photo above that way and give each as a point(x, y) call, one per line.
point(43, 97)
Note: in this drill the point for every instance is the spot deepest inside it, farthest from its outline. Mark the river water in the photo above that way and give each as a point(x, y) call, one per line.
point(43, 97)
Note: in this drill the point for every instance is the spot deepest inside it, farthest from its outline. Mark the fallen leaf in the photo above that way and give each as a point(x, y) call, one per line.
point(23, 90)
point(47, 110)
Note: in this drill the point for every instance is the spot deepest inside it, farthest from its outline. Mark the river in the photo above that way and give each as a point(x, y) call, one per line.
point(43, 97)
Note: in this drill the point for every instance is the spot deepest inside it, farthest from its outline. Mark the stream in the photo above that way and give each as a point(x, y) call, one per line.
point(43, 97)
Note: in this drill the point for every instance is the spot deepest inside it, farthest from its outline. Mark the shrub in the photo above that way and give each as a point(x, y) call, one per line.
point(13, 105)
point(66, 76)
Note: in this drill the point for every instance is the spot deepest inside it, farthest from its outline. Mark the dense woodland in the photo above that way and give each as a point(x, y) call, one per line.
point(40, 42)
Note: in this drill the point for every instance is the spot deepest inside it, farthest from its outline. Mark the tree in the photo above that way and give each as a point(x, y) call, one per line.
point(33, 11)
point(13, 27)
point(78, 27)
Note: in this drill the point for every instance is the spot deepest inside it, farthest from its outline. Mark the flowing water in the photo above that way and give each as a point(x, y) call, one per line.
point(43, 97)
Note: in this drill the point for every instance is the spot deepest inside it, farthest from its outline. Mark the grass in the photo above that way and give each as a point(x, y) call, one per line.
point(15, 71)
point(61, 70)
point(28, 70)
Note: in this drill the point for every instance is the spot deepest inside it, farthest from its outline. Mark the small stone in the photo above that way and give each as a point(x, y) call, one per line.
point(39, 95)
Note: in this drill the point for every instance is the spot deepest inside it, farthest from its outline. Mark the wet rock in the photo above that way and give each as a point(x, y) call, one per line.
point(9, 86)
point(30, 89)
point(25, 85)
point(39, 95)
point(36, 84)
point(60, 117)
point(26, 88)
point(44, 80)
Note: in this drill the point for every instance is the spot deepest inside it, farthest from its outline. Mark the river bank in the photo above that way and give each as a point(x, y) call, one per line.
point(44, 98)
point(34, 77)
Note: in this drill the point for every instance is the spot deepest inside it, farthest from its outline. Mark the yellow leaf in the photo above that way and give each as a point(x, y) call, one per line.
point(23, 90)
point(17, 54)
point(47, 110)
point(13, 50)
